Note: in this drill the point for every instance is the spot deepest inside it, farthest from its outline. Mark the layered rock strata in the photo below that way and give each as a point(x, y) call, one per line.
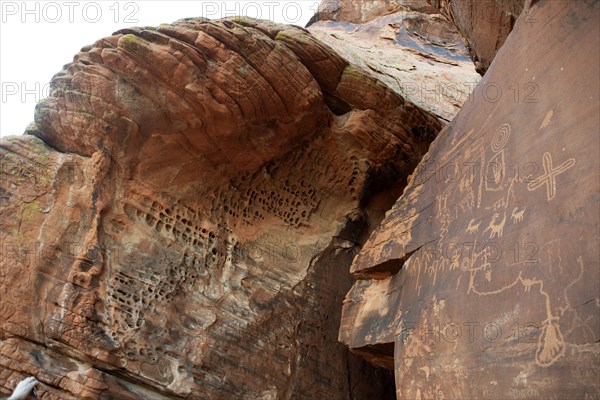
point(483, 25)
point(180, 219)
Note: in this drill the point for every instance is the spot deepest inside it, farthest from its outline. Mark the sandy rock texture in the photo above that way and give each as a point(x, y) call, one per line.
point(237, 209)
point(420, 56)
point(485, 25)
point(483, 280)
point(180, 220)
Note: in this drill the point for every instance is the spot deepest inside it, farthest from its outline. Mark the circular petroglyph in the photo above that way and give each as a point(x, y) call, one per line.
point(501, 137)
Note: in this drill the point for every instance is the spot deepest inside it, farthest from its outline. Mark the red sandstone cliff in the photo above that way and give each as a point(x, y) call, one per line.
point(196, 205)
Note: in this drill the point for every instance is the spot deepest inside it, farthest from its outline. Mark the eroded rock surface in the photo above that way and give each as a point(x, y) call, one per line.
point(483, 280)
point(420, 56)
point(180, 220)
point(360, 11)
point(485, 25)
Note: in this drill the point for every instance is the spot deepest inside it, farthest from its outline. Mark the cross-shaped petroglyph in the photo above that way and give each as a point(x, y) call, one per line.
point(549, 177)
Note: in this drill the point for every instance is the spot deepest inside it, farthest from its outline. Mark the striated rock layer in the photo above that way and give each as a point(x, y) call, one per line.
point(483, 281)
point(180, 220)
point(360, 11)
point(484, 25)
point(420, 56)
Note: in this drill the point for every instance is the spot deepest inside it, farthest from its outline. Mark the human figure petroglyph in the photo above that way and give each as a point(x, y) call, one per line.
point(551, 345)
point(496, 167)
point(481, 261)
point(495, 172)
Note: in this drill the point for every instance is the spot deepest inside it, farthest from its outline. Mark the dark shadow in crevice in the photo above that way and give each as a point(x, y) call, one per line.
point(364, 375)
point(336, 105)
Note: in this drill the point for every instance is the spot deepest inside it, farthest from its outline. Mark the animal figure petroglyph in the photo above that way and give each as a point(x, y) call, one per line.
point(517, 216)
point(473, 227)
point(500, 201)
point(496, 228)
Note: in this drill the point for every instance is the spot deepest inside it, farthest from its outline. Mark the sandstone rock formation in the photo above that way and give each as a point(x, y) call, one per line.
point(180, 220)
point(420, 56)
point(484, 25)
point(196, 204)
point(359, 11)
point(483, 282)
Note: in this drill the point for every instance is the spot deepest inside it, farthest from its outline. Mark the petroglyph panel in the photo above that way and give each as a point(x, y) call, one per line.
point(495, 239)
